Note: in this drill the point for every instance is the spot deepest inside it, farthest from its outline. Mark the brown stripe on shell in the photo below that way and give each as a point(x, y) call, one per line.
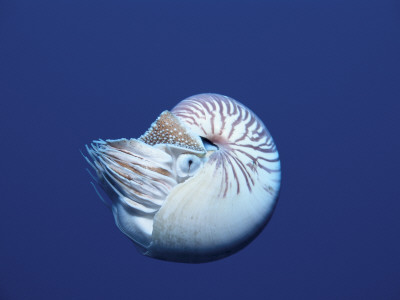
point(223, 132)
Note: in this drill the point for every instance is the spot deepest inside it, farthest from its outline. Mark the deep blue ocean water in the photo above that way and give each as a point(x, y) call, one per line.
point(324, 76)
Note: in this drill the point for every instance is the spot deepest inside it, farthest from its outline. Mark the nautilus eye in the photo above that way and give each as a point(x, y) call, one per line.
point(198, 186)
point(187, 165)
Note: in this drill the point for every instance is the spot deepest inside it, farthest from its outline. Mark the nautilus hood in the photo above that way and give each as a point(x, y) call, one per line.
point(199, 185)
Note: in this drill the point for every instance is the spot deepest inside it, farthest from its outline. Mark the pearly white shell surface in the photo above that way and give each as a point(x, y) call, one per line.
point(199, 185)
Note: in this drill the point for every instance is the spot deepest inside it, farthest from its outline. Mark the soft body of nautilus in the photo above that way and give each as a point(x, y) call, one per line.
point(199, 185)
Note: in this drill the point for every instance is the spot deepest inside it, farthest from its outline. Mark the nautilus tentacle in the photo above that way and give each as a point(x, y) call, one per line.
point(200, 184)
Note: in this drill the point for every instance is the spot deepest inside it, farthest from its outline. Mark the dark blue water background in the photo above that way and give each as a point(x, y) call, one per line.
point(324, 76)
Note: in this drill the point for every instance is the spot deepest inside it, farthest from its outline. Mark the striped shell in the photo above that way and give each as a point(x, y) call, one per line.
point(199, 185)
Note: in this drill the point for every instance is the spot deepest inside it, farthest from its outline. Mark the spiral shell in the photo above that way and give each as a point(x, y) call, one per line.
point(199, 185)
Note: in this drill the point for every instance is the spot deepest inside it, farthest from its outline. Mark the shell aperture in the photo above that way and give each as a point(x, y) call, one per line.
point(199, 185)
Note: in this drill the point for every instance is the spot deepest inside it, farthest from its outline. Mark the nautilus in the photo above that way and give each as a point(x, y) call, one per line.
point(199, 185)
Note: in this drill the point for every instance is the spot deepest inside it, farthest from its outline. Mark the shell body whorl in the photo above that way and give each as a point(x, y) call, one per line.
point(210, 212)
point(236, 130)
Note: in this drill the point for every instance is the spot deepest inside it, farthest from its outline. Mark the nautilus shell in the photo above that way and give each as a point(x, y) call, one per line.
point(198, 186)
